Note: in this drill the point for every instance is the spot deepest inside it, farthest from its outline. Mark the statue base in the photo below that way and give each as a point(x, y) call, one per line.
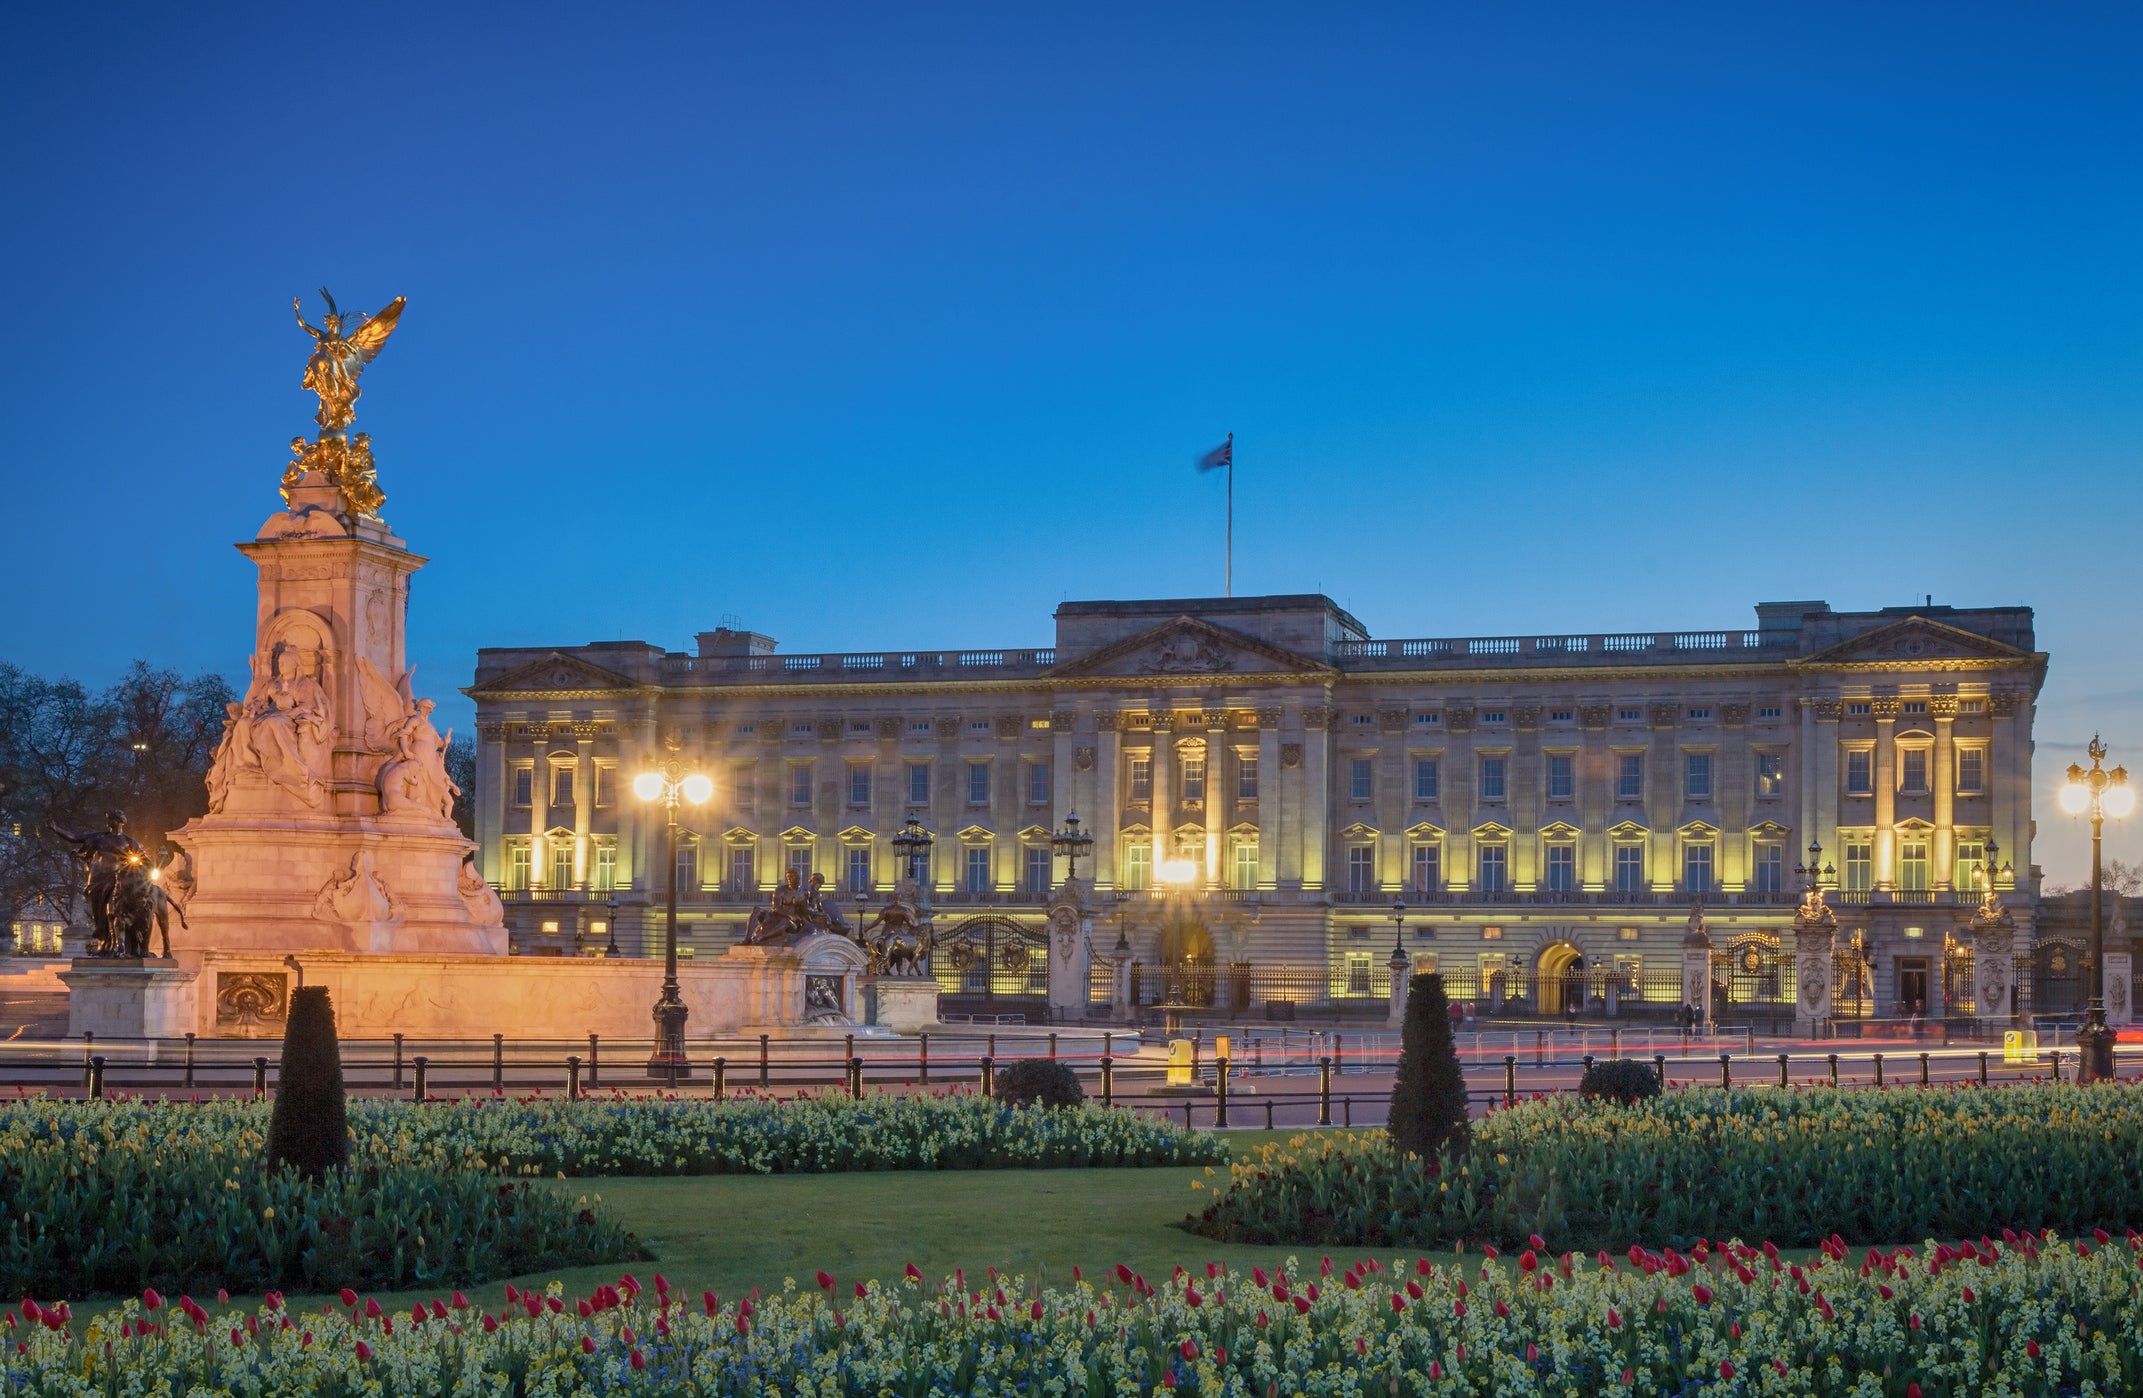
point(126, 998)
point(903, 1004)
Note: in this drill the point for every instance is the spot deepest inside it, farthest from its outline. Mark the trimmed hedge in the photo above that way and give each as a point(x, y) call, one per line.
point(1039, 1082)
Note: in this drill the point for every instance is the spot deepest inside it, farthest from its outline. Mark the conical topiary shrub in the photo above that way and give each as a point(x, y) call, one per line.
point(1428, 1098)
point(309, 1131)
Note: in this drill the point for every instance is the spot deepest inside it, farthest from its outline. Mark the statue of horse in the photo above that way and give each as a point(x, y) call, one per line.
point(131, 911)
point(905, 941)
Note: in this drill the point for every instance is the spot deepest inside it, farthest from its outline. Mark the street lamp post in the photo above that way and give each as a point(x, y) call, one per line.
point(1071, 843)
point(610, 928)
point(2096, 794)
point(667, 786)
point(912, 845)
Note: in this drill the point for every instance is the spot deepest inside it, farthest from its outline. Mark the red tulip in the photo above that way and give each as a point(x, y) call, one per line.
point(1702, 1293)
point(825, 1281)
point(150, 1300)
point(587, 1344)
point(1188, 1349)
point(2031, 1347)
point(1263, 1320)
point(1726, 1369)
point(364, 1351)
point(639, 1361)
point(349, 1297)
point(491, 1323)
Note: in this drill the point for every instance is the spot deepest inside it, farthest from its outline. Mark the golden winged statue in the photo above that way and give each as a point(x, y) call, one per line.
point(340, 355)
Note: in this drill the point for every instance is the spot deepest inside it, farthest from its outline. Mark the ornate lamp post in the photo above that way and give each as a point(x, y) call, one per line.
point(668, 786)
point(912, 846)
point(1071, 843)
point(2096, 794)
point(1397, 1015)
point(610, 928)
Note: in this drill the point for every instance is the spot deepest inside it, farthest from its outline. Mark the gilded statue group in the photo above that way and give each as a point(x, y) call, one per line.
point(897, 940)
point(127, 895)
point(342, 346)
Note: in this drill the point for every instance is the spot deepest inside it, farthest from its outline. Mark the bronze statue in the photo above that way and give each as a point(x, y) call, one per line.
point(132, 910)
point(794, 911)
point(105, 854)
point(904, 944)
point(170, 885)
point(338, 358)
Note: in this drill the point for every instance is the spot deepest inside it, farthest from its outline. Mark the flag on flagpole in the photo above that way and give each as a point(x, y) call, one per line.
point(1222, 455)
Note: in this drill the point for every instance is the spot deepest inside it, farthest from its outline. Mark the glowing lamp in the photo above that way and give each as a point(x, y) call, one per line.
point(648, 786)
point(2075, 797)
point(2119, 800)
point(1177, 871)
point(698, 789)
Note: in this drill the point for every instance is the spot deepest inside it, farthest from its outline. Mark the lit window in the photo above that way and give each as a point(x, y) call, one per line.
point(1246, 865)
point(1492, 779)
point(1495, 868)
point(1359, 784)
point(1697, 768)
point(1562, 868)
point(1770, 774)
point(1138, 867)
point(1912, 866)
point(1971, 859)
point(1562, 776)
point(606, 866)
point(1859, 868)
point(1426, 779)
point(1629, 776)
point(1141, 778)
point(1194, 779)
point(978, 783)
point(1860, 773)
point(1971, 771)
point(1696, 868)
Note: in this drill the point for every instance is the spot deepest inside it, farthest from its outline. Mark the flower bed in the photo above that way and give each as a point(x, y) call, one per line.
point(102, 1198)
point(2028, 1316)
point(1797, 1166)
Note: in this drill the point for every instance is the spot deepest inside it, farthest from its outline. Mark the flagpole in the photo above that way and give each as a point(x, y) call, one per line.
point(1228, 568)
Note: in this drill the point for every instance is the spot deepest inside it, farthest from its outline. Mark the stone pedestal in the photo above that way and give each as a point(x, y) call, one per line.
point(1070, 930)
point(1994, 966)
point(113, 999)
point(1812, 951)
point(1395, 1016)
point(903, 1004)
point(2120, 973)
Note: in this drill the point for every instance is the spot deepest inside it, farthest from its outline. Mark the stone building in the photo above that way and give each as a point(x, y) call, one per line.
point(1263, 781)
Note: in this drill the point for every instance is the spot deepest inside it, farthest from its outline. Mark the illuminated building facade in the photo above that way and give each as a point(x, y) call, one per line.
point(1547, 807)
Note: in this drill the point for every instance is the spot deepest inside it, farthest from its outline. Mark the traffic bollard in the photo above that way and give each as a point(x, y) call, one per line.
point(1324, 1090)
point(572, 1077)
point(422, 1065)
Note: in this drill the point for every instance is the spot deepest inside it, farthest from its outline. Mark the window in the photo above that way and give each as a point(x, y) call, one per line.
point(1912, 771)
point(1914, 706)
point(1141, 779)
point(1246, 779)
point(606, 866)
point(745, 730)
point(1495, 868)
point(1912, 866)
point(1358, 973)
point(1038, 872)
point(517, 864)
point(1361, 869)
point(800, 862)
point(1696, 768)
point(1194, 779)
point(1429, 720)
point(1492, 778)
point(1700, 714)
point(1562, 868)
point(918, 783)
point(1971, 706)
point(1428, 869)
point(1858, 708)
point(1363, 720)
point(1859, 868)
point(1561, 715)
point(1426, 779)
point(1770, 872)
point(1770, 774)
point(1360, 783)
point(1971, 858)
point(859, 725)
point(978, 725)
point(1629, 868)
point(606, 784)
point(1629, 776)
point(562, 861)
point(919, 725)
point(1038, 783)
point(1562, 776)
point(1860, 773)
point(978, 783)
point(1137, 873)
point(743, 778)
point(561, 784)
point(1696, 868)
point(859, 785)
point(1971, 771)
point(743, 869)
point(859, 870)
point(800, 784)
point(978, 871)
point(1493, 716)
point(524, 779)
point(1767, 711)
point(687, 866)
point(1629, 715)
point(1245, 872)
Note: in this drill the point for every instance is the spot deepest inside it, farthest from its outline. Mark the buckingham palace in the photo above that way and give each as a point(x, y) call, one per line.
point(1276, 799)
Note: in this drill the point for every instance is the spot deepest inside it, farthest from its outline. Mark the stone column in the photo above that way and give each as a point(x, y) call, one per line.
point(1216, 802)
point(539, 803)
point(1163, 809)
point(583, 801)
point(1271, 822)
point(493, 775)
point(640, 828)
point(2009, 779)
point(1696, 962)
point(1823, 801)
point(1886, 793)
point(1316, 794)
point(1808, 785)
point(1945, 779)
point(1815, 936)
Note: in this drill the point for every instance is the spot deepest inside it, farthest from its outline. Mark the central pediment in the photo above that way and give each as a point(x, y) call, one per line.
point(1915, 639)
point(555, 673)
point(1188, 646)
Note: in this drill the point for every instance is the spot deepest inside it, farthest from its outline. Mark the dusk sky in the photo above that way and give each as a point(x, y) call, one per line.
point(896, 325)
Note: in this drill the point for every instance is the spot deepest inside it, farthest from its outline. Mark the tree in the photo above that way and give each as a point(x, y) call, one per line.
point(461, 770)
point(309, 1130)
point(1428, 1098)
point(67, 756)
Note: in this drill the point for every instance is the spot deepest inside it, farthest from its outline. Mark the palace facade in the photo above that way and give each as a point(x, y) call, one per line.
point(1263, 781)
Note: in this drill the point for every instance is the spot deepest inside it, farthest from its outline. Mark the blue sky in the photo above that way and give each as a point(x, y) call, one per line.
point(897, 325)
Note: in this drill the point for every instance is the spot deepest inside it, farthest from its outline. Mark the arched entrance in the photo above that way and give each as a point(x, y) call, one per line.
point(1559, 979)
point(1186, 961)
